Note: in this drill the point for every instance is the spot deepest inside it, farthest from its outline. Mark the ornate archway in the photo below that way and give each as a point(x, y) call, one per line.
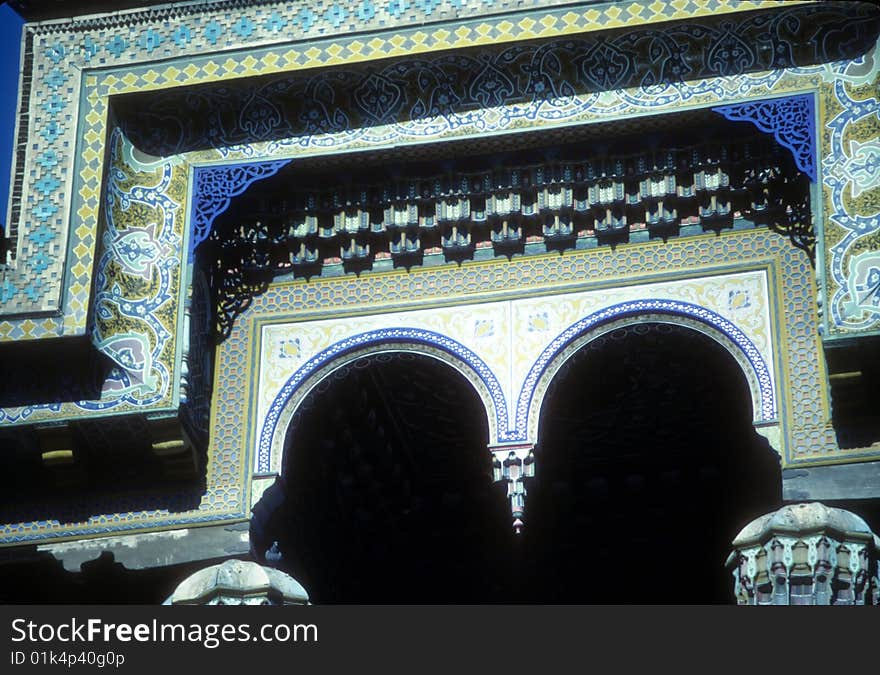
point(384, 492)
point(648, 465)
point(728, 335)
point(314, 370)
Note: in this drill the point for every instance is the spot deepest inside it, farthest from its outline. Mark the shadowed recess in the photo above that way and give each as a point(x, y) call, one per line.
point(388, 488)
point(648, 466)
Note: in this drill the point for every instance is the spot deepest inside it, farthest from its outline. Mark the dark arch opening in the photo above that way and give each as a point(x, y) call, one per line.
point(648, 466)
point(387, 495)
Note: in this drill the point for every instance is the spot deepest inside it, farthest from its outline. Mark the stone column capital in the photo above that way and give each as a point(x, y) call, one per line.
point(806, 554)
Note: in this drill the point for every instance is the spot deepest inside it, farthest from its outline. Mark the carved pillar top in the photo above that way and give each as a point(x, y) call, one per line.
point(239, 582)
point(806, 554)
point(798, 520)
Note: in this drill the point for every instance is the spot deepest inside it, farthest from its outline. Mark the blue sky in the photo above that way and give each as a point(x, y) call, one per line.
point(10, 45)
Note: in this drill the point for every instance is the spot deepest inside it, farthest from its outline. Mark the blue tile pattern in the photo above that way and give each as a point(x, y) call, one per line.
point(791, 120)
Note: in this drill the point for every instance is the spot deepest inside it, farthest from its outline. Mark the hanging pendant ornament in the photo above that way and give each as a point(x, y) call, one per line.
point(514, 464)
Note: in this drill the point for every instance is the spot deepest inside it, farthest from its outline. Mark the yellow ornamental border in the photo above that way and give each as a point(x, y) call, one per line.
point(359, 49)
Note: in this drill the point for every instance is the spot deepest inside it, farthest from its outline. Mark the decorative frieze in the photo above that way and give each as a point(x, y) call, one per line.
point(310, 225)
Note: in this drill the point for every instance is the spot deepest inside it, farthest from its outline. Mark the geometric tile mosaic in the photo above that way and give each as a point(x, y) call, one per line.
point(135, 40)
